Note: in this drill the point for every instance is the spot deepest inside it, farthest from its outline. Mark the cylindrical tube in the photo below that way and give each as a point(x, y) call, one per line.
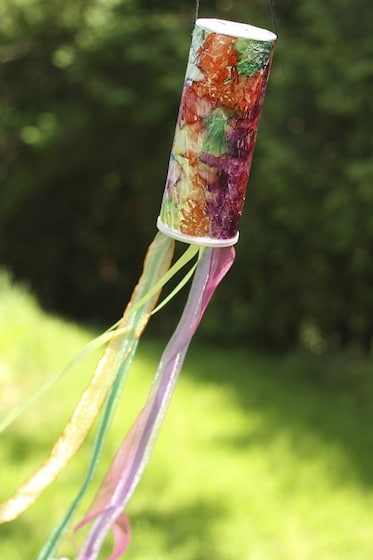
point(215, 133)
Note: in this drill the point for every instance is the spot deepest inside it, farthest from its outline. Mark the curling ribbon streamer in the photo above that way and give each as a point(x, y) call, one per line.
point(118, 349)
point(133, 455)
point(112, 400)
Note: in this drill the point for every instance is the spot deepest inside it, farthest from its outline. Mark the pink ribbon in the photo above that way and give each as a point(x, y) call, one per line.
point(133, 454)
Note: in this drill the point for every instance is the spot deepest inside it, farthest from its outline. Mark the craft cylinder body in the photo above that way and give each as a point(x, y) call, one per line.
point(215, 133)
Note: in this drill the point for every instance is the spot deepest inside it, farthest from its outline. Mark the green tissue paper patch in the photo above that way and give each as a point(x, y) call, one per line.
point(253, 55)
point(216, 137)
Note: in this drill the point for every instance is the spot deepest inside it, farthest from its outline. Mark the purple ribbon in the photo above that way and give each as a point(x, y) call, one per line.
point(133, 454)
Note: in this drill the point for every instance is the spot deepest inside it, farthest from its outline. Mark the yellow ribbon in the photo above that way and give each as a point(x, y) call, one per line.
point(128, 331)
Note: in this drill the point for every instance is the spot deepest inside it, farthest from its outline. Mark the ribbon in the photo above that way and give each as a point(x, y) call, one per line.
point(133, 455)
point(118, 350)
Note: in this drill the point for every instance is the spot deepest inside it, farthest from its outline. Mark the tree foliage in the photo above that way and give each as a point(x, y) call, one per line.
point(89, 97)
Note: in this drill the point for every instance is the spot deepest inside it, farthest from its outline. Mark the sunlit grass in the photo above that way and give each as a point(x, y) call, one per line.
point(260, 458)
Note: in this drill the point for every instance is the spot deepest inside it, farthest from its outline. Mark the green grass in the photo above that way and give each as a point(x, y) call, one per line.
point(260, 458)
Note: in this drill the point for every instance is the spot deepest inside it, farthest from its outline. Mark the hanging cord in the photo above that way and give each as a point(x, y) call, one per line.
point(197, 10)
point(273, 13)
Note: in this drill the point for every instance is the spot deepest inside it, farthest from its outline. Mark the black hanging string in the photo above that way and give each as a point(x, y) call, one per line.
point(197, 10)
point(273, 13)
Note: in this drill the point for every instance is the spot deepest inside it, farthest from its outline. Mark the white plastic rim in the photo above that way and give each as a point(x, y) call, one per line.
point(191, 240)
point(235, 29)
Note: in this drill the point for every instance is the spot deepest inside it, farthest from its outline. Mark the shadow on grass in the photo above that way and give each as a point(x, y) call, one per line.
point(327, 399)
point(188, 533)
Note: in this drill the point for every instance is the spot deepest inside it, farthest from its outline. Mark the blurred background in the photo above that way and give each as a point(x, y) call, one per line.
point(276, 460)
point(89, 98)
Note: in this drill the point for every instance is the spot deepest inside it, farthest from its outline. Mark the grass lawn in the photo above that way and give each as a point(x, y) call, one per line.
point(260, 457)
